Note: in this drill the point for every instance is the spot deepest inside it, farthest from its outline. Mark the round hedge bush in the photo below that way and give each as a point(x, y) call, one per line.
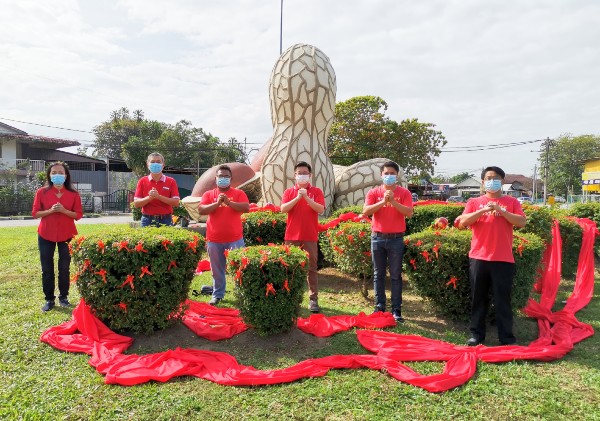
point(357, 209)
point(325, 245)
point(350, 244)
point(136, 279)
point(539, 222)
point(269, 285)
point(424, 215)
point(572, 235)
point(437, 264)
point(264, 227)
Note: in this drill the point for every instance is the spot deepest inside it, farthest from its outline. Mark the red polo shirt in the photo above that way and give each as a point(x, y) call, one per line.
point(57, 227)
point(387, 219)
point(224, 225)
point(302, 220)
point(492, 233)
point(166, 186)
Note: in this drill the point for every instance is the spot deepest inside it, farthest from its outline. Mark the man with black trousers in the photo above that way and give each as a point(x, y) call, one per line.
point(491, 261)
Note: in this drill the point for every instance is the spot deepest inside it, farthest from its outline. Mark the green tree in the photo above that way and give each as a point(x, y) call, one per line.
point(565, 157)
point(362, 131)
point(112, 134)
point(460, 177)
point(132, 138)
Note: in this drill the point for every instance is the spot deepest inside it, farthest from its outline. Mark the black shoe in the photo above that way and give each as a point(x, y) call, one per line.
point(379, 308)
point(397, 316)
point(49, 305)
point(473, 341)
point(64, 302)
point(509, 342)
point(214, 301)
point(313, 306)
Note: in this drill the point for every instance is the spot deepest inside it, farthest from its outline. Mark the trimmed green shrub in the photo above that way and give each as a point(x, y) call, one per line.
point(136, 213)
point(423, 216)
point(589, 210)
point(269, 285)
point(351, 247)
point(437, 264)
point(136, 279)
point(357, 209)
point(572, 235)
point(539, 222)
point(264, 227)
point(325, 245)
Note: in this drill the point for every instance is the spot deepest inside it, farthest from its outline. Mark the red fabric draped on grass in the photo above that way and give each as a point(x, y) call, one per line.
point(559, 332)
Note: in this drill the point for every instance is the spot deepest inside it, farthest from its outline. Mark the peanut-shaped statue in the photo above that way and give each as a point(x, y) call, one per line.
point(302, 94)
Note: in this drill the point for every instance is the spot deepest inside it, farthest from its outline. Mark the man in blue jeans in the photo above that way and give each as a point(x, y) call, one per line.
point(224, 206)
point(389, 204)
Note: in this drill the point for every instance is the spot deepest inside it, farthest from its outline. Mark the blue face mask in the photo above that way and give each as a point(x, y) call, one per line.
point(493, 186)
point(155, 167)
point(58, 179)
point(390, 179)
point(223, 182)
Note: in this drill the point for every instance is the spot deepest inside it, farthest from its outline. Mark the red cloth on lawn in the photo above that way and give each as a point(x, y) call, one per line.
point(558, 332)
point(91, 330)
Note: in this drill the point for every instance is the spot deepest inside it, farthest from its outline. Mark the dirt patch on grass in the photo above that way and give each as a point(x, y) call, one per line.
point(336, 291)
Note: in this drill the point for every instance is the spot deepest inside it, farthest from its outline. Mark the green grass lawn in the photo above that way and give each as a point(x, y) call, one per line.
point(39, 382)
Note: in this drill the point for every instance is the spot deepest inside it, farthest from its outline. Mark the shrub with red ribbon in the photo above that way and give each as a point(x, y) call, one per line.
point(269, 285)
point(136, 279)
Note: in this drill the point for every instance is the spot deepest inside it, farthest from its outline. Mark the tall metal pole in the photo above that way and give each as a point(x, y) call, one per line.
point(281, 28)
point(546, 170)
point(534, 183)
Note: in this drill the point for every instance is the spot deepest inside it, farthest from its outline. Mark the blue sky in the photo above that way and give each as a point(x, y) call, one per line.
point(485, 73)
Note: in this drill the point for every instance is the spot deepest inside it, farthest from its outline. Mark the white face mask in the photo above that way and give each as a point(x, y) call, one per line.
point(302, 178)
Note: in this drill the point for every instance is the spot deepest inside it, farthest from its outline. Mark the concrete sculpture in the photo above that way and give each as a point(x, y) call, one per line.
point(302, 93)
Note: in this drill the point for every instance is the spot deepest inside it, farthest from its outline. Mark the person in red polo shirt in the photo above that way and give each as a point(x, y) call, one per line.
point(156, 194)
point(59, 205)
point(491, 262)
point(389, 204)
point(303, 203)
point(224, 207)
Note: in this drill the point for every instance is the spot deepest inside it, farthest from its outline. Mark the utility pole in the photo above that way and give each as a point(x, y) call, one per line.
point(534, 183)
point(547, 145)
point(281, 29)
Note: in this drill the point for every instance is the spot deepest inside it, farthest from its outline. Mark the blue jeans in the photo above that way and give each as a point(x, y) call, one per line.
point(384, 252)
point(218, 263)
point(156, 220)
point(47, 249)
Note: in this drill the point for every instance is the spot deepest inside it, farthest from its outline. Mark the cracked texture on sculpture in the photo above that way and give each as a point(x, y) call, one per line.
point(302, 94)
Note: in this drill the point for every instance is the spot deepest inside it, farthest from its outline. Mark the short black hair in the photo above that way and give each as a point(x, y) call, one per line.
point(303, 164)
point(497, 170)
point(390, 164)
point(225, 168)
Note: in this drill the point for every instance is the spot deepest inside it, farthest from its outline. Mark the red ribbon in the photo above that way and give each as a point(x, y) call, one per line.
point(270, 289)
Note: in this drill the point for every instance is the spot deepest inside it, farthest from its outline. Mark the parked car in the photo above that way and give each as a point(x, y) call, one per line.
point(560, 199)
point(458, 199)
point(525, 200)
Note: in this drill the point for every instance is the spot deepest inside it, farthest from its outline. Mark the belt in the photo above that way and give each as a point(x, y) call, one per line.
point(156, 216)
point(388, 234)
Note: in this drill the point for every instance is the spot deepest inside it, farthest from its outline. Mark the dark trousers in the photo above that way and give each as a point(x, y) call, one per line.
point(47, 249)
point(499, 277)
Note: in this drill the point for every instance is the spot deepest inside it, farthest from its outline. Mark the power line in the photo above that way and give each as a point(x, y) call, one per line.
point(474, 148)
point(45, 125)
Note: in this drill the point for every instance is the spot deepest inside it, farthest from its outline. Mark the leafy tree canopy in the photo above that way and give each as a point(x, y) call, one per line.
point(362, 131)
point(565, 157)
point(133, 138)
